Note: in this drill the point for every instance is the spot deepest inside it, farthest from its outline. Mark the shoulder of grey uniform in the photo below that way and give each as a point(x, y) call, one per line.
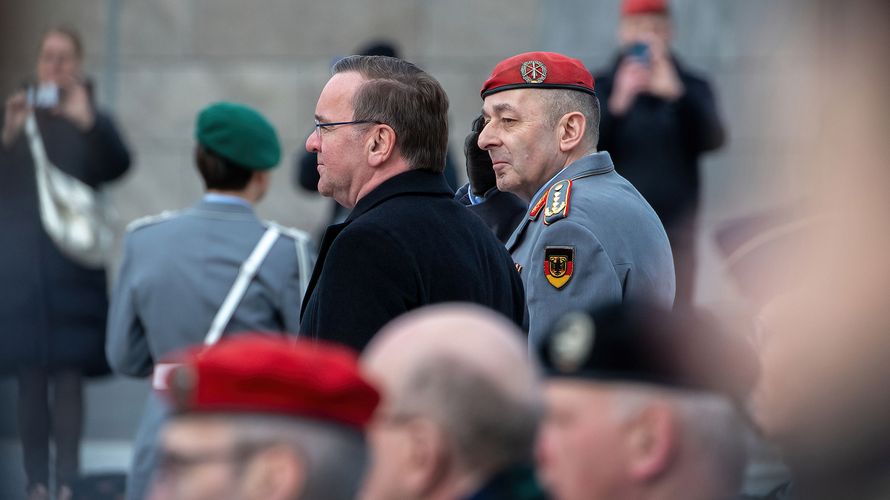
point(151, 220)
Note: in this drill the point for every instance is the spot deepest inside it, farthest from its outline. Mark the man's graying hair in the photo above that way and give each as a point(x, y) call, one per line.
point(334, 456)
point(403, 96)
point(488, 427)
point(562, 101)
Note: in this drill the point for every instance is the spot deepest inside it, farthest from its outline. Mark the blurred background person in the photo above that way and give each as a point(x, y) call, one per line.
point(658, 118)
point(460, 409)
point(823, 397)
point(643, 404)
point(306, 174)
point(52, 308)
point(261, 417)
point(190, 277)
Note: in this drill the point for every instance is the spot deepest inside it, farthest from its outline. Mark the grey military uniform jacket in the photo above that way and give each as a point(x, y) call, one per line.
point(589, 240)
point(176, 272)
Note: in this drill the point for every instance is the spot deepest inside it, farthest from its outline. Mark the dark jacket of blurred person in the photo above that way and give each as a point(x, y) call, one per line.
point(658, 118)
point(52, 309)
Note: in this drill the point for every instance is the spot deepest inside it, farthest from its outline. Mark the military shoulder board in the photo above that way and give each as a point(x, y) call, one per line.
point(557, 205)
point(149, 220)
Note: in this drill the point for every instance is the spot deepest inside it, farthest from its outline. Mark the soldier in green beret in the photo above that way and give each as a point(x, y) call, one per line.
point(192, 276)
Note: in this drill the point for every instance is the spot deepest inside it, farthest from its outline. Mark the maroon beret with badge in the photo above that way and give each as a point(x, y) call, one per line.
point(266, 374)
point(634, 7)
point(541, 70)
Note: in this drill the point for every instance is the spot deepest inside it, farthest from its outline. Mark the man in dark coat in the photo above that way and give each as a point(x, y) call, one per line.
point(381, 136)
point(52, 309)
point(657, 119)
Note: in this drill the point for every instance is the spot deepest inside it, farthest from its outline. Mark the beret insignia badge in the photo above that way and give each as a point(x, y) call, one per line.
point(533, 71)
point(573, 342)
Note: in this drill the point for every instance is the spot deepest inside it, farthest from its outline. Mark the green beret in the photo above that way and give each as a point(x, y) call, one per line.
point(238, 134)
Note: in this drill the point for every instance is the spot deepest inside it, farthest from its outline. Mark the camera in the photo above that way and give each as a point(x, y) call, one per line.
point(45, 95)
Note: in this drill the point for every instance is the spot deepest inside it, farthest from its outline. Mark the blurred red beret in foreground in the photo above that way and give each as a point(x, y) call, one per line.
point(542, 70)
point(257, 373)
point(633, 7)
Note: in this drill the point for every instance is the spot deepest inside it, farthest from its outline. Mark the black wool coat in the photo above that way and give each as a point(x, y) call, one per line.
point(406, 244)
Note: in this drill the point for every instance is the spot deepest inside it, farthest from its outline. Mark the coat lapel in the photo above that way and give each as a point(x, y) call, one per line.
point(329, 236)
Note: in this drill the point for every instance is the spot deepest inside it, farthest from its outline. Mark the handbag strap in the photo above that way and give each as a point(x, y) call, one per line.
point(35, 142)
point(245, 275)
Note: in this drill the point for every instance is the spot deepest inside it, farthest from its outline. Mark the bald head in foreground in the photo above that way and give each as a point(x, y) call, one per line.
point(460, 406)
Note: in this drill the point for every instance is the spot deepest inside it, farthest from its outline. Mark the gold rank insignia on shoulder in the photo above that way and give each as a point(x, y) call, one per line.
point(559, 263)
point(557, 205)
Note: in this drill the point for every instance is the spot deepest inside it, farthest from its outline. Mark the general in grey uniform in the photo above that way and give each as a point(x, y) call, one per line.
point(178, 268)
point(589, 238)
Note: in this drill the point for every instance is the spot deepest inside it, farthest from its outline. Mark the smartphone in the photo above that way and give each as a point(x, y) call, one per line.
point(46, 95)
point(639, 52)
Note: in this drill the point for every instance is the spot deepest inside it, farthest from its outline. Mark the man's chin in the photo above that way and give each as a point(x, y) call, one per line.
point(504, 184)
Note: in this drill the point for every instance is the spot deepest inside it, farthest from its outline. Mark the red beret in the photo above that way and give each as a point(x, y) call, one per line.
point(632, 7)
point(257, 373)
point(542, 70)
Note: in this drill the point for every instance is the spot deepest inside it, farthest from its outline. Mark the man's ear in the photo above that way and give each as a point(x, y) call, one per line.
point(429, 456)
point(275, 473)
point(571, 129)
point(652, 441)
point(381, 144)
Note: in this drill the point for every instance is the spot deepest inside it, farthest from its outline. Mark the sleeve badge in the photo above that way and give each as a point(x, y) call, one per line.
point(558, 265)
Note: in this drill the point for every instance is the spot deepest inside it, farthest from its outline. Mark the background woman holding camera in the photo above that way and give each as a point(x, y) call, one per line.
point(52, 307)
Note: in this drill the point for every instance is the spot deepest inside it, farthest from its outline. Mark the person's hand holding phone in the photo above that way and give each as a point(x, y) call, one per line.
point(75, 104)
point(632, 77)
point(15, 114)
point(665, 81)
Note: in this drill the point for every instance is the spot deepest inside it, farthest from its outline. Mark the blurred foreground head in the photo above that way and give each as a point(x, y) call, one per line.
point(460, 403)
point(643, 404)
point(263, 417)
point(825, 345)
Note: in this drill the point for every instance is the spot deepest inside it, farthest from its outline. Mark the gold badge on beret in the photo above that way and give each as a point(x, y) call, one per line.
point(533, 71)
point(572, 343)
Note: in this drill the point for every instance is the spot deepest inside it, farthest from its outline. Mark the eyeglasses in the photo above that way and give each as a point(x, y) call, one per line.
point(172, 463)
point(319, 126)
